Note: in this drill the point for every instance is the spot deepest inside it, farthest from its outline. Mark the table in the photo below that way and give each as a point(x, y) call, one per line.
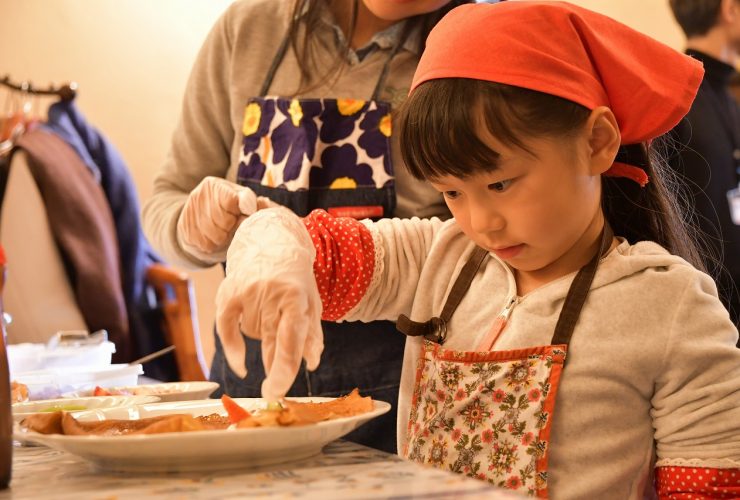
point(343, 470)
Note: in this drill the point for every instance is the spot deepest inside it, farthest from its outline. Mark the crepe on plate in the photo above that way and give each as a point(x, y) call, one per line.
point(292, 413)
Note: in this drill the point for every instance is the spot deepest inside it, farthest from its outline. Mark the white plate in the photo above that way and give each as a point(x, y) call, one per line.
point(200, 450)
point(168, 391)
point(23, 410)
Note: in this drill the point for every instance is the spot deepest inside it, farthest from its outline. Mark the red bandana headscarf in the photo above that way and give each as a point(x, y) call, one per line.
point(571, 52)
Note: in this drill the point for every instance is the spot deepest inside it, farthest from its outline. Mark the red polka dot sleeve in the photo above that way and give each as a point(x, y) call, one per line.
point(345, 260)
point(683, 483)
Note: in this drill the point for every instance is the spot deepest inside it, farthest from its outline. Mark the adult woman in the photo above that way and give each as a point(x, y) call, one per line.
point(325, 142)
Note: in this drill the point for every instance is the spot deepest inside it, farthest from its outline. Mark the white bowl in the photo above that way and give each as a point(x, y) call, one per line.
point(52, 383)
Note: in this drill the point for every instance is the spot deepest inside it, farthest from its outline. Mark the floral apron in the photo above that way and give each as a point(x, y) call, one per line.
point(325, 153)
point(488, 414)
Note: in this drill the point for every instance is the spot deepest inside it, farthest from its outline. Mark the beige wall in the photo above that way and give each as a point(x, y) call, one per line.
point(131, 59)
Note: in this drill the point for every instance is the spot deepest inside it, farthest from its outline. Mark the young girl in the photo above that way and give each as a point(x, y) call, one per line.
point(290, 100)
point(544, 354)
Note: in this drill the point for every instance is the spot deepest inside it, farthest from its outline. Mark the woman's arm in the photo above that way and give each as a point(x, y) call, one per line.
point(200, 146)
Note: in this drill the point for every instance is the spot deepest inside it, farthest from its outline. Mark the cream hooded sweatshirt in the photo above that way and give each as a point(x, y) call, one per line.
point(652, 372)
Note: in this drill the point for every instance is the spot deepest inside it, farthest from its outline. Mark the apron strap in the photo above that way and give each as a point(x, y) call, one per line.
point(280, 54)
point(436, 328)
point(579, 290)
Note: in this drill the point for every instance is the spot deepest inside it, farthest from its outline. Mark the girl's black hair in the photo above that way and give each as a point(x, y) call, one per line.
point(438, 134)
point(305, 22)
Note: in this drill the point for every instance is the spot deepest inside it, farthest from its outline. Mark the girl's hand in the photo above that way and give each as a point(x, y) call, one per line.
point(271, 293)
point(211, 215)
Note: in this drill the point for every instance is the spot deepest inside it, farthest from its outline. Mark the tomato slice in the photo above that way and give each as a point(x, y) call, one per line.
point(99, 391)
point(236, 412)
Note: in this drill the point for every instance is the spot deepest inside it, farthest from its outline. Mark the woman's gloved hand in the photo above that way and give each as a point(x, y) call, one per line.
point(212, 213)
point(270, 291)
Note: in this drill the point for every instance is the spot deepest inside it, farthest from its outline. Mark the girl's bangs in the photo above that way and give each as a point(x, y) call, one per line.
point(439, 131)
point(441, 124)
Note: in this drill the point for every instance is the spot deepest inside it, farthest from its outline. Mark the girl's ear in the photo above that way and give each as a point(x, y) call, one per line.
point(604, 139)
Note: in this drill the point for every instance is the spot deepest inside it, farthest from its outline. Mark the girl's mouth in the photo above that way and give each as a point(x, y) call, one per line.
point(508, 252)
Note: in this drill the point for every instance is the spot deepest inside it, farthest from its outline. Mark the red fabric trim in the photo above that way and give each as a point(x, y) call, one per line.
point(631, 172)
point(548, 407)
point(683, 483)
point(483, 356)
point(345, 261)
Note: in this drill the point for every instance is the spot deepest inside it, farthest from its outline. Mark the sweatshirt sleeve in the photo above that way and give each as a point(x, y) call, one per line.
point(365, 270)
point(696, 403)
point(200, 145)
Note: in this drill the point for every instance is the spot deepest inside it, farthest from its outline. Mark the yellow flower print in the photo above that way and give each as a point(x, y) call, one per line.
point(296, 112)
point(349, 107)
point(252, 115)
point(343, 183)
point(385, 125)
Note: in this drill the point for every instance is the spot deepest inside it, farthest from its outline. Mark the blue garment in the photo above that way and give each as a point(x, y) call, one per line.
point(110, 170)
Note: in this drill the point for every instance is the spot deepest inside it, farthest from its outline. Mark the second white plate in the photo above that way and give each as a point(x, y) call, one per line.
point(167, 391)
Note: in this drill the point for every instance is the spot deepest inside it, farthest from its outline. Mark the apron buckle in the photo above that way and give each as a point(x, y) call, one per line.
point(438, 329)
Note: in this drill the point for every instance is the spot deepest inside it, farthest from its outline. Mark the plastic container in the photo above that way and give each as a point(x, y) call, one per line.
point(31, 357)
point(51, 383)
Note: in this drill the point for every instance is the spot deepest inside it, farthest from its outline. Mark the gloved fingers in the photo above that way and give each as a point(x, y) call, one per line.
point(225, 195)
point(217, 228)
point(227, 327)
point(264, 202)
point(269, 327)
point(313, 347)
point(286, 360)
point(247, 201)
point(222, 220)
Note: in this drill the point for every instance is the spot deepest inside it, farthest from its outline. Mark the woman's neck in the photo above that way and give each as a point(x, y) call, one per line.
point(367, 25)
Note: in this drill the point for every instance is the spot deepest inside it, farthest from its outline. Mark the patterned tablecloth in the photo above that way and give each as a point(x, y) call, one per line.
point(343, 470)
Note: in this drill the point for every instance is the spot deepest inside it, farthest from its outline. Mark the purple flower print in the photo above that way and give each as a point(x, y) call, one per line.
point(375, 139)
point(339, 118)
point(253, 170)
point(339, 169)
point(296, 135)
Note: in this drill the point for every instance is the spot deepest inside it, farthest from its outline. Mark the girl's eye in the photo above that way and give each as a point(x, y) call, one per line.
point(451, 194)
point(500, 186)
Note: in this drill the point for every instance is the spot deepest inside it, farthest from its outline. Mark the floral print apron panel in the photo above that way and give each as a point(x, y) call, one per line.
point(333, 154)
point(486, 414)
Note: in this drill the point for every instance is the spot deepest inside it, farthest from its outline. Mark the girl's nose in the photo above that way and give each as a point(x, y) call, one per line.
point(484, 218)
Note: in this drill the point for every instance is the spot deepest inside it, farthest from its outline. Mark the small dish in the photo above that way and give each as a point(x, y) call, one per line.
point(76, 405)
point(168, 391)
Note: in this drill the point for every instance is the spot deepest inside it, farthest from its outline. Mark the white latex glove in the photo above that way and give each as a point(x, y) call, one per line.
point(271, 291)
point(211, 215)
